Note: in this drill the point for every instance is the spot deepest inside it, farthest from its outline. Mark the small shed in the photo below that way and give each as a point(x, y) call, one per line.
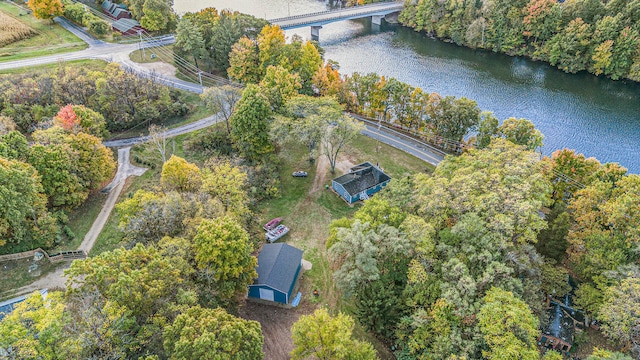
point(361, 182)
point(278, 269)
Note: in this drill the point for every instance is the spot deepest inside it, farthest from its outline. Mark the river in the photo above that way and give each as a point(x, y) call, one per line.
point(595, 116)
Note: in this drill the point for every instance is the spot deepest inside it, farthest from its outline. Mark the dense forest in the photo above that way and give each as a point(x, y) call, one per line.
point(602, 37)
point(51, 128)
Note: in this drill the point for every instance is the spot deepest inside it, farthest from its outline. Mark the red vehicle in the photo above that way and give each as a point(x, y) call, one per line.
point(272, 224)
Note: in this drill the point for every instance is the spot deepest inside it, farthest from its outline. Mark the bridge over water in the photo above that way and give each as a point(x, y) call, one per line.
point(376, 12)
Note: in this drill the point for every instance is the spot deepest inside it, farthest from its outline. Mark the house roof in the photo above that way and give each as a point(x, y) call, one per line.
point(118, 10)
point(362, 177)
point(278, 265)
point(124, 25)
point(106, 4)
point(6, 307)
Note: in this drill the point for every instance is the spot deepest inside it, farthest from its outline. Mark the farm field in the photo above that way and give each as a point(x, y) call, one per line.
point(45, 38)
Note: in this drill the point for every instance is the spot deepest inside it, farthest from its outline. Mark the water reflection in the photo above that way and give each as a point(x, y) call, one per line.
point(592, 115)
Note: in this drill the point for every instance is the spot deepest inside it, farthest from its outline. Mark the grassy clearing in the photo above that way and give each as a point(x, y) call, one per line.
point(309, 214)
point(395, 162)
point(81, 219)
point(15, 274)
point(151, 55)
point(96, 65)
point(49, 39)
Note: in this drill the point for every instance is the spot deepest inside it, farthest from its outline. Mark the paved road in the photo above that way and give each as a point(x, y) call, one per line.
point(416, 148)
point(125, 169)
point(184, 129)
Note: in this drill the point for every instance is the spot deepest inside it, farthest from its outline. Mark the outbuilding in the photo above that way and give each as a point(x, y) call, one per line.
point(278, 269)
point(361, 182)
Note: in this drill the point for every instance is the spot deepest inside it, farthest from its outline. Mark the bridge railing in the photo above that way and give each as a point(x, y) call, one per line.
point(369, 6)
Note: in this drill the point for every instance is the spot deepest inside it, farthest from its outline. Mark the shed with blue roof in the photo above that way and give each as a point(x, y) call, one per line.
point(278, 269)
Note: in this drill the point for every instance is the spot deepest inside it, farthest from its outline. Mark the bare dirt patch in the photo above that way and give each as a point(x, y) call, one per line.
point(322, 168)
point(276, 325)
point(344, 164)
point(161, 68)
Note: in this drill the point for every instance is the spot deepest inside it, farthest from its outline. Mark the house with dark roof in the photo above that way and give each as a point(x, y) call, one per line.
point(278, 269)
point(360, 183)
point(115, 11)
point(564, 322)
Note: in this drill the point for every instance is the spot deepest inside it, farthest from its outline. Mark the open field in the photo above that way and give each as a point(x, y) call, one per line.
point(12, 30)
point(49, 38)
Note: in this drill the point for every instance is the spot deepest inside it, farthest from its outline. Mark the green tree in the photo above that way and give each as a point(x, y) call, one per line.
point(604, 234)
point(93, 162)
point(521, 132)
point(620, 313)
point(35, 330)
point(223, 258)
point(121, 300)
point(189, 40)
point(23, 215)
point(249, 124)
point(212, 334)
point(60, 184)
point(453, 118)
point(362, 254)
point(306, 120)
point(14, 146)
point(339, 134)
point(244, 62)
point(325, 337)
point(487, 130)
point(226, 31)
point(601, 354)
point(570, 48)
point(271, 45)
point(46, 9)
point(158, 15)
point(228, 184)
point(279, 85)
point(181, 175)
point(508, 326)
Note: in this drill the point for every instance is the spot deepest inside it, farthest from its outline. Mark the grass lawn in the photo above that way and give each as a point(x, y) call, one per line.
point(81, 219)
point(51, 38)
point(87, 64)
point(308, 215)
point(16, 273)
point(160, 53)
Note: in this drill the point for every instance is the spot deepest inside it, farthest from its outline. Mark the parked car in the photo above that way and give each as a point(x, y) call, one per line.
point(299, 174)
point(272, 224)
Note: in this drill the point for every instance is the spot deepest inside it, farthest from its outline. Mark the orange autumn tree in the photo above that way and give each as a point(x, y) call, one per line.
point(67, 118)
point(79, 118)
point(46, 9)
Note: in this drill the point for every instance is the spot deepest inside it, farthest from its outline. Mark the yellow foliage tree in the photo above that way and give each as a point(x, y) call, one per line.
point(46, 9)
point(181, 175)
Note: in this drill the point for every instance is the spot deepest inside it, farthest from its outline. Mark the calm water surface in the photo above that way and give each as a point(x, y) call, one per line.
point(595, 116)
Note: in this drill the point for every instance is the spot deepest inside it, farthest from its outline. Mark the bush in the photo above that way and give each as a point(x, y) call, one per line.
point(74, 12)
point(99, 27)
point(211, 142)
point(67, 231)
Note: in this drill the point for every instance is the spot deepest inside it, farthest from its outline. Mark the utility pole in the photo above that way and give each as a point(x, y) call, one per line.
point(200, 78)
point(144, 54)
